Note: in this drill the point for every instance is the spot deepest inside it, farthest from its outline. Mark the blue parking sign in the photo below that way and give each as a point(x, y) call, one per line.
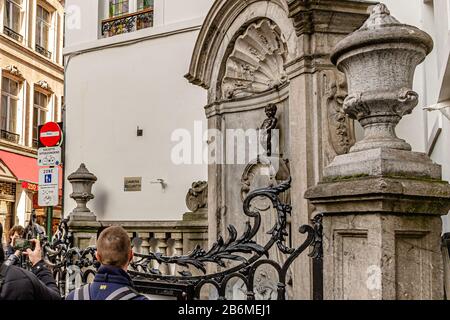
point(48, 178)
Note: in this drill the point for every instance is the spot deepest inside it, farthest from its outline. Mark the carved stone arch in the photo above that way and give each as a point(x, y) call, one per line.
point(224, 23)
point(309, 118)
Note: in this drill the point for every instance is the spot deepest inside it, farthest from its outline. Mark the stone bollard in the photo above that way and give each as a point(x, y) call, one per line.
point(382, 202)
point(82, 222)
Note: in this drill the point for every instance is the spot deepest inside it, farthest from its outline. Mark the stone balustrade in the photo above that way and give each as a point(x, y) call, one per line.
point(166, 237)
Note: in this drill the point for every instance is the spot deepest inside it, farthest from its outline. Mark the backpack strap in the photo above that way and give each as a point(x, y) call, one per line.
point(82, 293)
point(124, 293)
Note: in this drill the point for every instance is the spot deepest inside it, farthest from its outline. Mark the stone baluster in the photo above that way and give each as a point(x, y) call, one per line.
point(153, 249)
point(145, 244)
point(161, 246)
point(177, 250)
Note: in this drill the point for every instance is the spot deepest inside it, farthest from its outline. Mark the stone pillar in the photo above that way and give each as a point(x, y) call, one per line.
point(381, 202)
point(144, 247)
point(318, 129)
point(82, 222)
point(145, 244)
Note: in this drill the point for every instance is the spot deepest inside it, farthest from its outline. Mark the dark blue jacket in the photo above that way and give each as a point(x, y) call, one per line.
point(107, 280)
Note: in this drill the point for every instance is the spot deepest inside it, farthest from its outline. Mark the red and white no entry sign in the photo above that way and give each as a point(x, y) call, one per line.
point(50, 134)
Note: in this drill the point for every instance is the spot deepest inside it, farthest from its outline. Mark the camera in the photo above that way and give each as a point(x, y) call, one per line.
point(22, 244)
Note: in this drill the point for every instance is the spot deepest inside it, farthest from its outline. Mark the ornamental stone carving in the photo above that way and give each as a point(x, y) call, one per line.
point(381, 200)
point(197, 196)
point(44, 85)
point(379, 61)
point(340, 127)
point(267, 127)
point(256, 63)
point(82, 181)
point(13, 70)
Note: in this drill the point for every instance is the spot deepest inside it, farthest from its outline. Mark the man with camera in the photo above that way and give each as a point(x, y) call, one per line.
point(14, 256)
point(20, 284)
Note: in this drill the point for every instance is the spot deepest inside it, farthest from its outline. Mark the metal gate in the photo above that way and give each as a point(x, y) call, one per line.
point(236, 258)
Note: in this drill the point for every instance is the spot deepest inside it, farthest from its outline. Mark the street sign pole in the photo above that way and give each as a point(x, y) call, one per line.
point(50, 136)
point(49, 222)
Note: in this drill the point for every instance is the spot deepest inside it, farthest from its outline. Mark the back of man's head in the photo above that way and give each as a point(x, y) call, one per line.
point(113, 247)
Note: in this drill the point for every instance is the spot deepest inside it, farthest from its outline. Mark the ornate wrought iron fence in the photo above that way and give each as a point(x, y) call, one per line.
point(41, 50)
point(240, 258)
point(9, 136)
point(12, 34)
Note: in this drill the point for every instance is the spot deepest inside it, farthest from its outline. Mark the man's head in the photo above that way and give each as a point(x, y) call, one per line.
point(114, 247)
point(15, 232)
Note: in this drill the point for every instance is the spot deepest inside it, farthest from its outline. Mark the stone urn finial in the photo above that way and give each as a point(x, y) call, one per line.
point(82, 181)
point(379, 61)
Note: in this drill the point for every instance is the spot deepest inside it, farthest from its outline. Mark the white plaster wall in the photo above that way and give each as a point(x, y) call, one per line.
point(107, 100)
point(112, 91)
point(81, 21)
point(409, 12)
point(433, 17)
point(179, 10)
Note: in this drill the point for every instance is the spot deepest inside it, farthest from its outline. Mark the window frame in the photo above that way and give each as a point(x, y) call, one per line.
point(136, 18)
point(40, 25)
point(45, 109)
point(151, 4)
point(13, 3)
point(9, 97)
point(8, 24)
point(116, 3)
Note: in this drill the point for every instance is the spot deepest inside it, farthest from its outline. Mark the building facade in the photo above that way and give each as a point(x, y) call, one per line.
point(32, 89)
point(247, 55)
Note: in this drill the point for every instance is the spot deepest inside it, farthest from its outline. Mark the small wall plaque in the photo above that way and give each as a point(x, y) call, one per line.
point(132, 184)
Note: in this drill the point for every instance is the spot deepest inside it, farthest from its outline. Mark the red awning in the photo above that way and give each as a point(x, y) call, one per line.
point(23, 167)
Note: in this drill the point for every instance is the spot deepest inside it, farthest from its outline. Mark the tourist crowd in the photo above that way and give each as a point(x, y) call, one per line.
point(111, 282)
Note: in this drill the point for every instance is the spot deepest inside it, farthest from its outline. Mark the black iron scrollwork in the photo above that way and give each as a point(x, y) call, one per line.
point(246, 254)
point(127, 23)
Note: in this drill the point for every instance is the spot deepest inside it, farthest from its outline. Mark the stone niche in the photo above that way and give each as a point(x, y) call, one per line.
point(254, 54)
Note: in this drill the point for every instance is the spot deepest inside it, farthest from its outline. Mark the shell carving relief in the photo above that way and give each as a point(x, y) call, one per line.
point(256, 63)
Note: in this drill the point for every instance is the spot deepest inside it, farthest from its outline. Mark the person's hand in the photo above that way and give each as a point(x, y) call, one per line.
point(35, 255)
point(17, 253)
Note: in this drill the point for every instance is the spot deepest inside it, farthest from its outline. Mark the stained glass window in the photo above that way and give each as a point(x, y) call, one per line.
point(144, 4)
point(118, 7)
